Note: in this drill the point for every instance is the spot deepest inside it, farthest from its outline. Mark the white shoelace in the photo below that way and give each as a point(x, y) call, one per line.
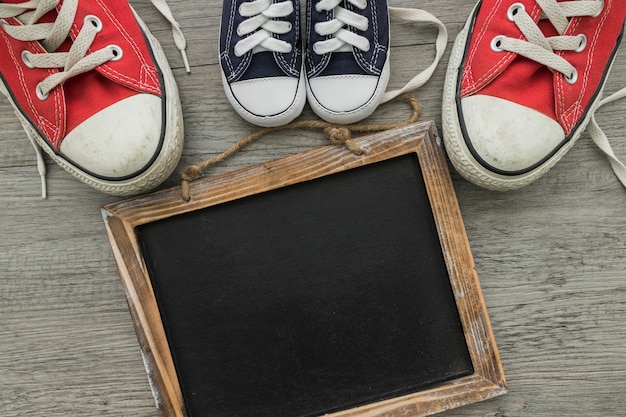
point(542, 50)
point(602, 142)
point(263, 21)
point(177, 33)
point(74, 62)
point(341, 39)
point(419, 16)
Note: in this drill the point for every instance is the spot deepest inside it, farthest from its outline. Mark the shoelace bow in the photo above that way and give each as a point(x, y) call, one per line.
point(263, 21)
point(543, 50)
point(74, 62)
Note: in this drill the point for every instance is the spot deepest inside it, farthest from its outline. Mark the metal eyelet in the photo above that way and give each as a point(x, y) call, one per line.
point(116, 51)
point(514, 10)
point(572, 78)
point(40, 94)
point(583, 43)
point(496, 44)
point(94, 21)
point(26, 59)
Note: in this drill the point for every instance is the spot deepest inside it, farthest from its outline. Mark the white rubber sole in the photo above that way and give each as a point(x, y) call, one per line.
point(456, 148)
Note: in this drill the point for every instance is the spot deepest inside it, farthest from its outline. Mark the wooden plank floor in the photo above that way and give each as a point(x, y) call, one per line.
point(551, 256)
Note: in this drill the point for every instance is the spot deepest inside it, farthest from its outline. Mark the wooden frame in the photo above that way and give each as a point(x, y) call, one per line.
point(122, 218)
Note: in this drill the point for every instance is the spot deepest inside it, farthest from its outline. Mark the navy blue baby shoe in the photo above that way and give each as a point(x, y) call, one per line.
point(261, 60)
point(346, 57)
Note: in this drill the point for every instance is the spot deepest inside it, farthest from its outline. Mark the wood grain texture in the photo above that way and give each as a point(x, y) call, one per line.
point(551, 257)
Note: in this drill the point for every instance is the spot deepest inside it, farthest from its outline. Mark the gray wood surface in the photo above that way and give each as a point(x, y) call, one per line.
point(551, 257)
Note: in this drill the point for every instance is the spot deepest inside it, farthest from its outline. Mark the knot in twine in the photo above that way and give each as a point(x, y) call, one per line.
point(191, 173)
point(337, 134)
point(341, 135)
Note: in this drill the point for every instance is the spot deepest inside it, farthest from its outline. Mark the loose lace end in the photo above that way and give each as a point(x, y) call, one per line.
point(419, 16)
point(44, 190)
point(179, 37)
point(185, 61)
point(41, 167)
point(601, 140)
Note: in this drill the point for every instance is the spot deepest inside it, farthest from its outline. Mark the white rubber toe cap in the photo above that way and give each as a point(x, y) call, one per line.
point(508, 136)
point(118, 141)
point(270, 101)
point(344, 98)
point(343, 93)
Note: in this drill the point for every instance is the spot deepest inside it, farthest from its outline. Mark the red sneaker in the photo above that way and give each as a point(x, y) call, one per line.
point(93, 89)
point(524, 80)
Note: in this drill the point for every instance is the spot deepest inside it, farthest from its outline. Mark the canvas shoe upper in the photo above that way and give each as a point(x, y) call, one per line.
point(93, 89)
point(261, 60)
point(524, 79)
point(346, 57)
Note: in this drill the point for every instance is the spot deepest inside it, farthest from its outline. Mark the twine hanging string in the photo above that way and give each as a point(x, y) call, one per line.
point(338, 135)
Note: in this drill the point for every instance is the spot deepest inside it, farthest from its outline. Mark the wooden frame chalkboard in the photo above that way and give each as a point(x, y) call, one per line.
point(324, 283)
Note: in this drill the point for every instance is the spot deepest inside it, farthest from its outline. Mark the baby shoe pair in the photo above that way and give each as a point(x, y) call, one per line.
point(341, 68)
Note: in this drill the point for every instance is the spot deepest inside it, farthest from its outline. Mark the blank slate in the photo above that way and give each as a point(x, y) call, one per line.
point(324, 283)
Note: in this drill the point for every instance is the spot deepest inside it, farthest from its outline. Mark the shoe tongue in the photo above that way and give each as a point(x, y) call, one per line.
point(547, 28)
point(49, 17)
